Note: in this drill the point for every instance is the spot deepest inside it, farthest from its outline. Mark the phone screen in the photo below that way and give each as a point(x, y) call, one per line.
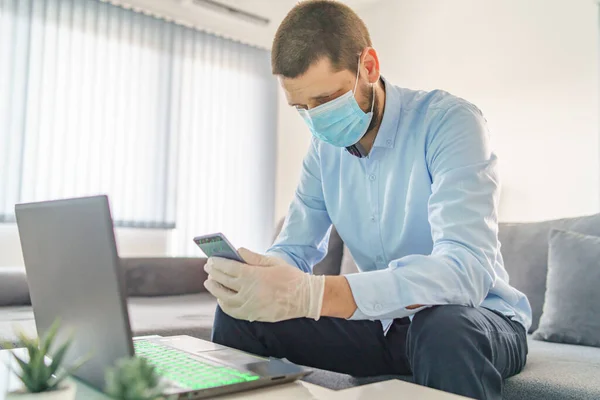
point(217, 246)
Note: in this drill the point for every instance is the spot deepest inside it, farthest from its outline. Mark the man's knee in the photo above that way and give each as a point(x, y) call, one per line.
point(231, 332)
point(439, 336)
point(222, 324)
point(447, 318)
point(449, 348)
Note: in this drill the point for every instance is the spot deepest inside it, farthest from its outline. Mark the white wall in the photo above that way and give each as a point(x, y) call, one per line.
point(531, 66)
point(10, 247)
point(293, 139)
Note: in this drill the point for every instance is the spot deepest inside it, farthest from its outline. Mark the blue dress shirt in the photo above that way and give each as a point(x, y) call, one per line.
point(419, 214)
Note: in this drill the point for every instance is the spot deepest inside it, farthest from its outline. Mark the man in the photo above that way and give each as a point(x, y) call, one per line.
point(410, 183)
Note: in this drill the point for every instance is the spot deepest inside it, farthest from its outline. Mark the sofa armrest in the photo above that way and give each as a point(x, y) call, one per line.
point(168, 276)
point(14, 290)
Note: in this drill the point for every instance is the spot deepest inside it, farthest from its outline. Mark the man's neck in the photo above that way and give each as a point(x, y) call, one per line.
point(367, 141)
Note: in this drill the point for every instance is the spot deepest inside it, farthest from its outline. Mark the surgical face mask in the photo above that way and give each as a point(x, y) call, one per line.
point(340, 122)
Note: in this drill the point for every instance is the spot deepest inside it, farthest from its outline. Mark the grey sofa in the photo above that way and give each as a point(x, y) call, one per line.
point(166, 297)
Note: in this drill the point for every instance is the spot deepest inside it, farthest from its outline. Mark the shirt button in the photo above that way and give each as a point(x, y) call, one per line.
point(373, 218)
point(379, 258)
point(372, 178)
point(377, 307)
point(388, 142)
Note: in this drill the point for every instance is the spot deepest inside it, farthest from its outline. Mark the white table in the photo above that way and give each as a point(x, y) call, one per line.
point(392, 389)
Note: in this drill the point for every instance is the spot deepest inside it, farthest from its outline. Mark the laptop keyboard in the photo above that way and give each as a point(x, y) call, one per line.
point(186, 371)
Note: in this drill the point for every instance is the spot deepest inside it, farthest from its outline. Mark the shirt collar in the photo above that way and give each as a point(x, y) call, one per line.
point(386, 136)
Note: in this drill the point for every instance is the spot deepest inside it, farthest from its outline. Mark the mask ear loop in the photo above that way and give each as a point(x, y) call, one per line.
point(373, 101)
point(356, 85)
point(357, 72)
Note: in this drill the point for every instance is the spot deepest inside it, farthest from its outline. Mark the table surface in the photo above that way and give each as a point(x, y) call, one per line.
point(392, 389)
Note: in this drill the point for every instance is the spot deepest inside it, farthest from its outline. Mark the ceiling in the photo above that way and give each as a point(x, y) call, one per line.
point(187, 12)
point(276, 10)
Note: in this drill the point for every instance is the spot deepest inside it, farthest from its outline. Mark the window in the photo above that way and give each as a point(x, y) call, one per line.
point(177, 126)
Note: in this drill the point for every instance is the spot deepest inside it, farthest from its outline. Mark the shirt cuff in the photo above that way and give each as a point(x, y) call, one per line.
point(283, 256)
point(378, 296)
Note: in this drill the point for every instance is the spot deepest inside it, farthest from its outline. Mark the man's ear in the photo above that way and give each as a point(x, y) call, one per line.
point(370, 64)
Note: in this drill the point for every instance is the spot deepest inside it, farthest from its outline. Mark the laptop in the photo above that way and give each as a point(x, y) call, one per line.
point(74, 274)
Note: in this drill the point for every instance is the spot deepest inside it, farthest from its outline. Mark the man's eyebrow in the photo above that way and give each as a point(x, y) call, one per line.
point(325, 95)
point(318, 97)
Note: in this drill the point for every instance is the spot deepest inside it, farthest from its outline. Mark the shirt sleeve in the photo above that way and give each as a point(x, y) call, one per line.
point(304, 237)
point(463, 217)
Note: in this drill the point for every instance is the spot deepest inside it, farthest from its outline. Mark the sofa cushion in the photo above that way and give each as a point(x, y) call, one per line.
point(336, 381)
point(525, 252)
point(14, 290)
point(553, 372)
point(572, 304)
point(173, 315)
point(557, 372)
point(16, 318)
point(168, 315)
point(168, 276)
point(330, 265)
point(165, 276)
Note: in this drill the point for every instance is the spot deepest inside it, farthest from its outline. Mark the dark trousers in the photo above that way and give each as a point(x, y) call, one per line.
point(463, 350)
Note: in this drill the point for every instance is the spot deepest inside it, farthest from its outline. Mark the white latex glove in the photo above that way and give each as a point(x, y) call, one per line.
point(265, 289)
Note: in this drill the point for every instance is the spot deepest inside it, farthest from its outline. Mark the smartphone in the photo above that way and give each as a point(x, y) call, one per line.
point(217, 245)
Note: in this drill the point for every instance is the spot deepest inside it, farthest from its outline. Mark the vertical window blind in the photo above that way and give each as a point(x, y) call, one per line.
point(177, 126)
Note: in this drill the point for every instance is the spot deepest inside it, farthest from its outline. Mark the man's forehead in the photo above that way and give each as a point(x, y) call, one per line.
point(319, 79)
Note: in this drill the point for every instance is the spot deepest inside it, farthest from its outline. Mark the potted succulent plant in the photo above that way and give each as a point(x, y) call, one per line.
point(134, 379)
point(43, 379)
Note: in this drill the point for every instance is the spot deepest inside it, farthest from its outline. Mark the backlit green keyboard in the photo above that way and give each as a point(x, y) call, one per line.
point(186, 371)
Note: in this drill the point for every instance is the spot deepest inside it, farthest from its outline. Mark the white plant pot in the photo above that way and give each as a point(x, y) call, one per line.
point(66, 391)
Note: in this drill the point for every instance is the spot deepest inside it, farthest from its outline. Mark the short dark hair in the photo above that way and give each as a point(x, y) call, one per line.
point(314, 29)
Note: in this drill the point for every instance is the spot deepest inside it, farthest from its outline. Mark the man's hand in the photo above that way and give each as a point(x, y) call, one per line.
point(265, 289)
